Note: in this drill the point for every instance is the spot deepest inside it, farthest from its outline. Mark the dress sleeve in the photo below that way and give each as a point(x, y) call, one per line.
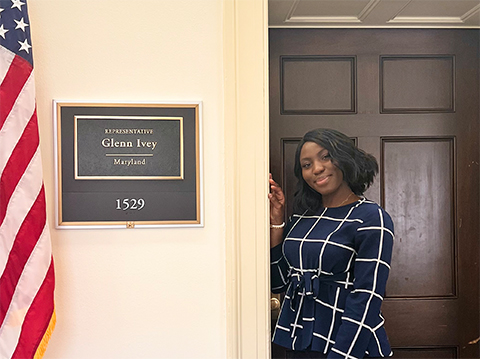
point(362, 316)
point(279, 266)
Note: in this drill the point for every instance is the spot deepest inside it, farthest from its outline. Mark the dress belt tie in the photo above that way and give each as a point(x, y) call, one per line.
point(303, 291)
point(308, 286)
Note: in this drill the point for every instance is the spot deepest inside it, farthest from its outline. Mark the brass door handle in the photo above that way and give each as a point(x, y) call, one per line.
point(274, 304)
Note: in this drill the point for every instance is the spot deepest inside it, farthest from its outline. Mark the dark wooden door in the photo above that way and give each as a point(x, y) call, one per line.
point(411, 98)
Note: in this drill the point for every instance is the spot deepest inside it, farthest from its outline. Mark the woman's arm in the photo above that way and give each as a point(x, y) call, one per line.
point(277, 213)
point(278, 264)
point(362, 317)
point(278, 270)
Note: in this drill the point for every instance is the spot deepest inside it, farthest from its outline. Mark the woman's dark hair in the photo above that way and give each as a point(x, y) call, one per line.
point(358, 168)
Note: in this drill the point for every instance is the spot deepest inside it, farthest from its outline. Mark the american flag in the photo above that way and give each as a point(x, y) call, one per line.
point(27, 280)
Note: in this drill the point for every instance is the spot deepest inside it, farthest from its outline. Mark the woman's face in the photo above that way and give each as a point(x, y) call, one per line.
point(320, 172)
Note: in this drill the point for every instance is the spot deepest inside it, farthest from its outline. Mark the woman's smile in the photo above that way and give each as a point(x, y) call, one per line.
point(322, 180)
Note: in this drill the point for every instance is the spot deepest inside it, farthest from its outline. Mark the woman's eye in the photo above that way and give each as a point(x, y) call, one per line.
point(326, 157)
point(306, 165)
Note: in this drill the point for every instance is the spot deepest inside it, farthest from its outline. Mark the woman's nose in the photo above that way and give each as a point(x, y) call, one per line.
point(318, 167)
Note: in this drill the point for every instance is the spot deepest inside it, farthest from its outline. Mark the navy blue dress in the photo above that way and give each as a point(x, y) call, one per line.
point(333, 267)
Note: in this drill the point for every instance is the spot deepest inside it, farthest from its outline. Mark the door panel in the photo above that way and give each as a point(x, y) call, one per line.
point(317, 85)
point(418, 183)
point(418, 83)
point(409, 97)
point(437, 353)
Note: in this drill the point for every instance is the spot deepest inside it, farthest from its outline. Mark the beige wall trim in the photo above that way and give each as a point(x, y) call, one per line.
point(246, 172)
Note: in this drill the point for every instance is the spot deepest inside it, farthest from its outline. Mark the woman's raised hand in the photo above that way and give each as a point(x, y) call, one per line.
point(277, 203)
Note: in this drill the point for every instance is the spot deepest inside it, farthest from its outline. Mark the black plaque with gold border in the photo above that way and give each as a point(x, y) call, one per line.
point(128, 165)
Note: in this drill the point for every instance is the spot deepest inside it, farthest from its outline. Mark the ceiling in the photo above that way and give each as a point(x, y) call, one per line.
point(375, 13)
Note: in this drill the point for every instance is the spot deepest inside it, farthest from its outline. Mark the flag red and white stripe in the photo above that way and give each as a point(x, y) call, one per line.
point(27, 281)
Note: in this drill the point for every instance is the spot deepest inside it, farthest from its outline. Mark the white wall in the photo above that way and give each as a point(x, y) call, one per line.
point(141, 293)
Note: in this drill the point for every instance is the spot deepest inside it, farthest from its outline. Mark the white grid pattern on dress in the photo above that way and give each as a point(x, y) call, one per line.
point(375, 278)
point(320, 259)
point(300, 270)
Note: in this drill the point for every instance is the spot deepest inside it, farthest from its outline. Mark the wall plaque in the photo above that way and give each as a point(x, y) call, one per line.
point(127, 165)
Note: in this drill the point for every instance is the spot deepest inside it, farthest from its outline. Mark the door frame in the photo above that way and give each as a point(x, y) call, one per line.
point(246, 133)
point(246, 145)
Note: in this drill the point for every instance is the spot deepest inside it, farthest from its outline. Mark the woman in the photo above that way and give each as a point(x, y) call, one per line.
point(333, 257)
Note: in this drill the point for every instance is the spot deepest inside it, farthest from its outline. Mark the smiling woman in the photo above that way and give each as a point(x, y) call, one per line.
point(333, 257)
